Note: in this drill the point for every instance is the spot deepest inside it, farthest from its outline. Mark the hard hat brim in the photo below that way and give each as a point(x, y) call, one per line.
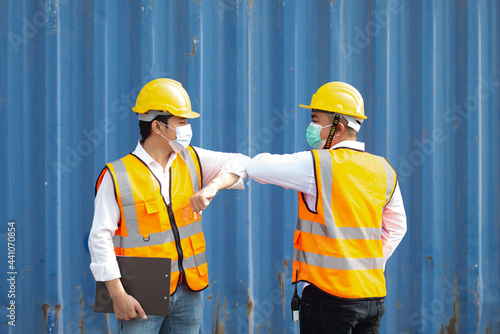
point(187, 114)
point(340, 112)
point(149, 115)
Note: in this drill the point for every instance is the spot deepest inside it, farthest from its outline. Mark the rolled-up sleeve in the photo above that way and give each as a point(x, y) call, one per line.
point(214, 163)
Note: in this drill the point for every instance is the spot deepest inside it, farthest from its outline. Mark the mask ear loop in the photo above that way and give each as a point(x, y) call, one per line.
point(336, 120)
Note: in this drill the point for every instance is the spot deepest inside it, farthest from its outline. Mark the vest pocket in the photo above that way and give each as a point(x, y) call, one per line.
point(154, 206)
point(198, 246)
point(202, 269)
point(296, 236)
point(153, 213)
point(188, 216)
point(198, 243)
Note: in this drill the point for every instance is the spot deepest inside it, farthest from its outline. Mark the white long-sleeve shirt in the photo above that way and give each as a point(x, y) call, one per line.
point(296, 171)
point(107, 212)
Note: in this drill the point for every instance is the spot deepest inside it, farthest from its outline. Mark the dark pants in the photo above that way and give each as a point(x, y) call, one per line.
point(323, 313)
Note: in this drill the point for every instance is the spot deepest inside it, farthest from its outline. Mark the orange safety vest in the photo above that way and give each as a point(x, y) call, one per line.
point(149, 227)
point(337, 244)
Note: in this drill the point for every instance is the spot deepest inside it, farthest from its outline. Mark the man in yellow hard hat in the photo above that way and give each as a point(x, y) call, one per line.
point(350, 219)
point(149, 203)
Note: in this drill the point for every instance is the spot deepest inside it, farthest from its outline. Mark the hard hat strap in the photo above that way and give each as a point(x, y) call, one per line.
point(332, 131)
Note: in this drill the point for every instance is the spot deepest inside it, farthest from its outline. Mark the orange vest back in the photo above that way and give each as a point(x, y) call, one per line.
point(337, 244)
point(149, 227)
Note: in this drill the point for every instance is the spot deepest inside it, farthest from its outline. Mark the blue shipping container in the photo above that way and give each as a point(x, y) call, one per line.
point(428, 70)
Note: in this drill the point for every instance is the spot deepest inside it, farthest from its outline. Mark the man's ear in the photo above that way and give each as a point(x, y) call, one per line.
point(156, 127)
point(340, 130)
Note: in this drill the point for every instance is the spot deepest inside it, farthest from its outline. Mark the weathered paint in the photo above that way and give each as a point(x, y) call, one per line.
point(429, 74)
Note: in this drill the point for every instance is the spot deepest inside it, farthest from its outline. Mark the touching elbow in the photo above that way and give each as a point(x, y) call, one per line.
point(251, 169)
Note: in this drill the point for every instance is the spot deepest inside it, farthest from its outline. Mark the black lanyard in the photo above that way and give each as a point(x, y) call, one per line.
point(332, 131)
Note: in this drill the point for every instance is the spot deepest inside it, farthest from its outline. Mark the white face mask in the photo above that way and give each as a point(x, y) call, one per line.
point(183, 133)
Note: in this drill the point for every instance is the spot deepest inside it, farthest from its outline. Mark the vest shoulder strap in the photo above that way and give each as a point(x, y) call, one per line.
point(392, 178)
point(192, 161)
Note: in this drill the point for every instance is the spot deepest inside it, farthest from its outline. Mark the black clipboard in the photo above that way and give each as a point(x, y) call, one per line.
point(147, 279)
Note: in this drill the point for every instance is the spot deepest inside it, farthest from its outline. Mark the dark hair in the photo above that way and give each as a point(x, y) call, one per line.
point(145, 127)
point(350, 131)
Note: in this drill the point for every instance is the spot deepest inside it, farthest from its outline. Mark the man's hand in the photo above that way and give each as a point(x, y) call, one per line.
point(125, 306)
point(202, 198)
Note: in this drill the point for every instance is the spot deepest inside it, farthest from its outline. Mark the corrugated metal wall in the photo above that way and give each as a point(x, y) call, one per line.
point(429, 74)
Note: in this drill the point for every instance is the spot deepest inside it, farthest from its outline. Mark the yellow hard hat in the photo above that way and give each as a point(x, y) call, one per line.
point(163, 96)
point(340, 98)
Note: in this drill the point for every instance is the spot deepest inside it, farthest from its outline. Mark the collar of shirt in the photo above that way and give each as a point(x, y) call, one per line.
point(141, 153)
point(353, 144)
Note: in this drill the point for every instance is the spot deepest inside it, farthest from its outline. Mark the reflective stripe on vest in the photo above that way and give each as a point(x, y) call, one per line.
point(391, 179)
point(128, 204)
point(336, 232)
point(137, 240)
point(193, 171)
point(191, 262)
point(344, 258)
point(338, 263)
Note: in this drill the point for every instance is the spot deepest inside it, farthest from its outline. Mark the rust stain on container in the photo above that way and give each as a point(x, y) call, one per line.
point(218, 324)
point(476, 298)
point(57, 309)
point(452, 324)
point(286, 261)
point(224, 308)
point(45, 312)
point(399, 304)
point(80, 323)
point(191, 54)
point(215, 322)
point(281, 281)
point(249, 311)
point(223, 322)
point(106, 315)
